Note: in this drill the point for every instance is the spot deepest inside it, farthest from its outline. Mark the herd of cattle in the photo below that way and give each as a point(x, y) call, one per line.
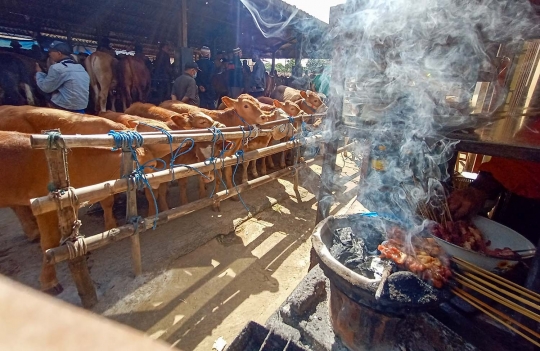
point(26, 173)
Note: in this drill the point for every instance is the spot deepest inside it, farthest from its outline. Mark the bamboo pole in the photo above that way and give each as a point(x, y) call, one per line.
point(103, 140)
point(97, 192)
point(67, 217)
point(131, 210)
point(61, 253)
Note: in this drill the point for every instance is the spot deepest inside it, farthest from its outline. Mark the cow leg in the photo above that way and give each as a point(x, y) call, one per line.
point(161, 198)
point(29, 95)
point(202, 188)
point(150, 198)
point(97, 104)
point(263, 166)
point(228, 181)
point(113, 102)
point(50, 237)
point(282, 163)
point(245, 167)
point(108, 216)
point(270, 161)
point(103, 94)
point(28, 222)
point(182, 185)
point(254, 169)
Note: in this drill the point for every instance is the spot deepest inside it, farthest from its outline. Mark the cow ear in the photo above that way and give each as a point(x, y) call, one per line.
point(132, 123)
point(180, 120)
point(228, 101)
point(303, 94)
point(277, 103)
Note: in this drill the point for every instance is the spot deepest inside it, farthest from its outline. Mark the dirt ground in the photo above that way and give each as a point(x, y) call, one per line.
point(206, 274)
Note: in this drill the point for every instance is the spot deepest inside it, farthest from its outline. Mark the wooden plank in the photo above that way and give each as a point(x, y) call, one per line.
point(59, 254)
point(67, 216)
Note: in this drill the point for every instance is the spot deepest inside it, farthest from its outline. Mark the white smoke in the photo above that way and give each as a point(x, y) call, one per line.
point(410, 69)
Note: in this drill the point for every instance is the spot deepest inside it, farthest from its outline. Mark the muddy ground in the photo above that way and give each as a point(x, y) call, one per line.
point(206, 274)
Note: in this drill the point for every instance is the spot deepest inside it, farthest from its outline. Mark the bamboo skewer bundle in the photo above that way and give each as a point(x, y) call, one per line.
point(501, 291)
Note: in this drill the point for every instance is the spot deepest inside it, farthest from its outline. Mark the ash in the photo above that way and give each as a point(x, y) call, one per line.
point(354, 252)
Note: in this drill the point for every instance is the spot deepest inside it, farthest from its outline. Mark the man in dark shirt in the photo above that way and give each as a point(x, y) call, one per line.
point(185, 87)
point(163, 73)
point(236, 81)
point(258, 77)
point(204, 80)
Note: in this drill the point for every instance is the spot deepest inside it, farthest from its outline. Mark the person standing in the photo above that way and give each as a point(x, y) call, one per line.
point(207, 93)
point(234, 67)
point(163, 72)
point(185, 87)
point(246, 72)
point(258, 76)
point(66, 80)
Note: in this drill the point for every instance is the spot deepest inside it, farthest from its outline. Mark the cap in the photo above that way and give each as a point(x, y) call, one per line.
point(205, 51)
point(191, 65)
point(60, 46)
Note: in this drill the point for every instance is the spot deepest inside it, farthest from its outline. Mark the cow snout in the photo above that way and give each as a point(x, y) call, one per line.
point(209, 178)
point(218, 125)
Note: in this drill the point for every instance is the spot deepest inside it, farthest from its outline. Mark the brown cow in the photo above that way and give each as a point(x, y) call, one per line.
point(309, 101)
point(184, 122)
point(86, 166)
point(134, 80)
point(240, 111)
point(102, 69)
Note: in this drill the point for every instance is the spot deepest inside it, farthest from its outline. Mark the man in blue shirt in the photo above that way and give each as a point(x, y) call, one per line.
point(66, 80)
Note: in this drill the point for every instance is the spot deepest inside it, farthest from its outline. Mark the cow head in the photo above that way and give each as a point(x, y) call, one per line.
point(283, 130)
point(313, 101)
point(247, 109)
point(199, 120)
point(289, 107)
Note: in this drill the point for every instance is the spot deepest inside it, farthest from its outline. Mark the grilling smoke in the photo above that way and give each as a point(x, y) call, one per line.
point(410, 68)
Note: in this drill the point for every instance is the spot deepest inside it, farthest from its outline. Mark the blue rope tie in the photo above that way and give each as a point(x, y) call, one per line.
point(241, 119)
point(216, 136)
point(239, 155)
point(126, 139)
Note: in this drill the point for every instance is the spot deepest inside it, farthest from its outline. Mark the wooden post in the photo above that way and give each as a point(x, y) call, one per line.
point(131, 211)
point(298, 59)
point(67, 216)
point(273, 62)
point(183, 25)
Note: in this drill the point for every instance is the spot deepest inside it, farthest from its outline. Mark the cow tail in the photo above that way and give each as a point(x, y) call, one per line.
point(29, 95)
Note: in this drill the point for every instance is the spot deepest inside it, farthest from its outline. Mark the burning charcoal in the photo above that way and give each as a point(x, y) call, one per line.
point(372, 267)
point(406, 287)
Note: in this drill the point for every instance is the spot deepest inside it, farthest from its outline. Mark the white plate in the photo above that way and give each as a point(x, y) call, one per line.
point(500, 236)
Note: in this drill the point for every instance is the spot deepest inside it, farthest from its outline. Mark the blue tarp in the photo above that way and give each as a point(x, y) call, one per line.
point(26, 44)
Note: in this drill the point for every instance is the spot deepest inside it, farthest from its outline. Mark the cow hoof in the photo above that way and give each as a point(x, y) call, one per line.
point(55, 290)
point(34, 240)
point(235, 198)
